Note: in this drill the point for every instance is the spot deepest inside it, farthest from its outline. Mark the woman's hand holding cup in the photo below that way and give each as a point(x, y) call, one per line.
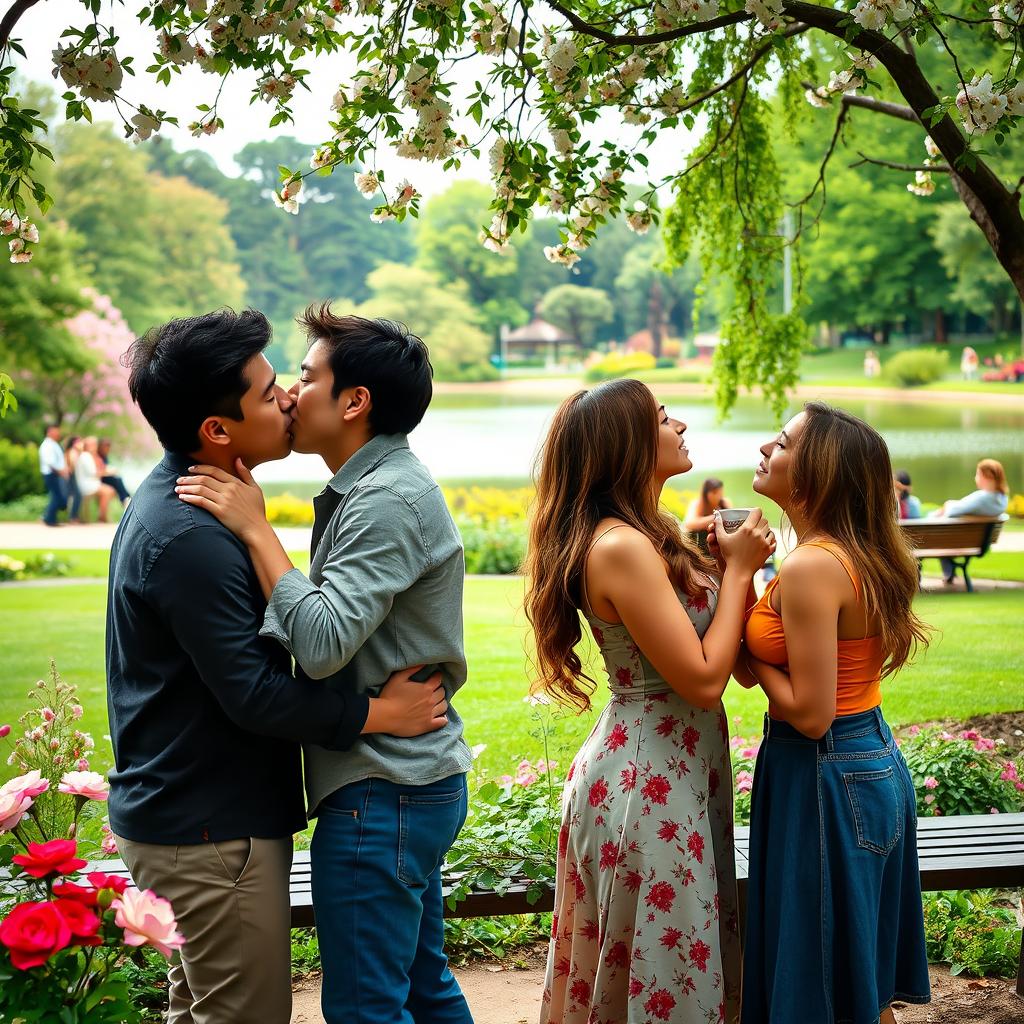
point(744, 537)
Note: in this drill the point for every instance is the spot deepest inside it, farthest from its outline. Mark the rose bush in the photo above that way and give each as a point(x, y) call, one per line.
point(65, 938)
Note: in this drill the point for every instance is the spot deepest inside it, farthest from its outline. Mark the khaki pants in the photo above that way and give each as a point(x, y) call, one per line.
point(231, 902)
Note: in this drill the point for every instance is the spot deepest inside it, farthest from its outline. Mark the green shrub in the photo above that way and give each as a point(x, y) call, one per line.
point(917, 366)
point(19, 471)
point(972, 933)
point(619, 364)
point(24, 510)
point(492, 549)
point(962, 774)
point(32, 568)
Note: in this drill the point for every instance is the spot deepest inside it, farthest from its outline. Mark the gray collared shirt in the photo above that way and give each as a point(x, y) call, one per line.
point(384, 592)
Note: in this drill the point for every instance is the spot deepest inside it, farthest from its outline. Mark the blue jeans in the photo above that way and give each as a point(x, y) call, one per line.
point(58, 498)
point(376, 863)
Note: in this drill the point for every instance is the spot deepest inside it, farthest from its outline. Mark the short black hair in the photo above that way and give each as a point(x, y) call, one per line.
point(193, 368)
point(903, 477)
point(384, 357)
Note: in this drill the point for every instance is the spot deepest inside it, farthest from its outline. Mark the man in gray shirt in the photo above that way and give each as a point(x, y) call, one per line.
point(384, 592)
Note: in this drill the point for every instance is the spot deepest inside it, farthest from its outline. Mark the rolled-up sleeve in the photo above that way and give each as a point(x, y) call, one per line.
point(378, 554)
point(205, 589)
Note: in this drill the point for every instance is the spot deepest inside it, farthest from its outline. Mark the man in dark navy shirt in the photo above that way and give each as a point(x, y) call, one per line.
point(205, 716)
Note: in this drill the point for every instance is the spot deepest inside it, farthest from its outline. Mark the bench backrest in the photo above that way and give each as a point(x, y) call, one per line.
point(953, 534)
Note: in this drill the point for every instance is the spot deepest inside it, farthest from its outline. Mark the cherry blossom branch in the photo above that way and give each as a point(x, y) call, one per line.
point(584, 27)
point(910, 168)
point(850, 99)
point(10, 19)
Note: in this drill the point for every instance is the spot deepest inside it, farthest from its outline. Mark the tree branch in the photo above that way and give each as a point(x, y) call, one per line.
point(938, 168)
point(10, 19)
point(612, 39)
point(850, 99)
point(840, 120)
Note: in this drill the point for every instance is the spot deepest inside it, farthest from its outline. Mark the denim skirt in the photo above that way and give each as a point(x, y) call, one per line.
point(835, 930)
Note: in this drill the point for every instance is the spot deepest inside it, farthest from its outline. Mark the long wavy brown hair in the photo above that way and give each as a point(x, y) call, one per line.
point(841, 477)
point(598, 460)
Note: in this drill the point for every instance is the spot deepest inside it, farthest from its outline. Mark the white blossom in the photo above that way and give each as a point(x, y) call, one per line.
point(176, 48)
point(367, 182)
point(419, 84)
point(844, 81)
point(561, 254)
point(871, 14)
point(635, 115)
point(561, 60)
point(382, 213)
point(339, 101)
point(639, 219)
point(924, 184)
point(28, 232)
point(768, 12)
point(1015, 100)
point(932, 150)
point(321, 158)
point(145, 125)
point(285, 203)
point(818, 97)
point(562, 140)
point(10, 222)
point(980, 106)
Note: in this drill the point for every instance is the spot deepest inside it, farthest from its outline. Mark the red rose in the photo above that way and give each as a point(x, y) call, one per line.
point(617, 737)
point(56, 857)
point(660, 1004)
point(33, 932)
point(100, 880)
point(598, 793)
point(70, 892)
point(662, 895)
point(656, 789)
point(84, 924)
point(670, 938)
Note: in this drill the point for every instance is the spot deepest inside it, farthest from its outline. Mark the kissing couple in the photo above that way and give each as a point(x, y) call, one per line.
point(212, 730)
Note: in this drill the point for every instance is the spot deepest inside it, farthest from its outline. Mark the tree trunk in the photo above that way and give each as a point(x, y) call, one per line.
point(656, 317)
point(941, 337)
point(990, 203)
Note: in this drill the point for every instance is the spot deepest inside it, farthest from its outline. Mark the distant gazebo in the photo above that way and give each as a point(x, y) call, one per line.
point(536, 337)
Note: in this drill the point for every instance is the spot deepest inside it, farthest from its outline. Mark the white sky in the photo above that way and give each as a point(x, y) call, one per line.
point(40, 29)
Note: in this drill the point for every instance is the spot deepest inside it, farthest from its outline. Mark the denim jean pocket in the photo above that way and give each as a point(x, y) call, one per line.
point(427, 826)
point(877, 808)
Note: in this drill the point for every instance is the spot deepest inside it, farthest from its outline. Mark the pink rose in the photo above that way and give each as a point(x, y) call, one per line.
point(913, 730)
point(744, 782)
point(931, 782)
point(90, 785)
point(930, 798)
point(969, 734)
point(30, 785)
point(147, 920)
point(108, 844)
point(13, 807)
point(981, 744)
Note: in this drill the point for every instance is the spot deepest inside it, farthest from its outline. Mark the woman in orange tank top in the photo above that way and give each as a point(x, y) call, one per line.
point(838, 936)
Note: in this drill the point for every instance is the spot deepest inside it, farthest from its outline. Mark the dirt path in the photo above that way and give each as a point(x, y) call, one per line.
point(499, 996)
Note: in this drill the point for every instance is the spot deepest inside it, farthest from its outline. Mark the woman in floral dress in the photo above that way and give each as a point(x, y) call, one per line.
point(645, 921)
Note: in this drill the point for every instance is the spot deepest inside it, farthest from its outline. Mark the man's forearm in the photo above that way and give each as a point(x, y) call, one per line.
point(269, 558)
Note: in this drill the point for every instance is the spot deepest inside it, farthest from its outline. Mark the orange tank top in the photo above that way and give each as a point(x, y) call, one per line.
point(859, 666)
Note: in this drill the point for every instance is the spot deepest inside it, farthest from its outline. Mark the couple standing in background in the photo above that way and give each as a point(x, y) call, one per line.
point(205, 613)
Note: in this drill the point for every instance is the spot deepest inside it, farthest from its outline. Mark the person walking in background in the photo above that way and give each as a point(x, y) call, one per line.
point(872, 364)
point(701, 513)
point(108, 474)
point(835, 930)
point(54, 470)
point(89, 479)
point(645, 923)
point(988, 501)
point(909, 503)
point(968, 363)
point(72, 450)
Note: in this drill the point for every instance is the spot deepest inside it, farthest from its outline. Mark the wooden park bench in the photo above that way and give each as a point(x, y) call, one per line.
point(966, 852)
point(959, 540)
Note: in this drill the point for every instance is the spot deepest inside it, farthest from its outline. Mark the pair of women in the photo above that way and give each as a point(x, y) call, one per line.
point(646, 919)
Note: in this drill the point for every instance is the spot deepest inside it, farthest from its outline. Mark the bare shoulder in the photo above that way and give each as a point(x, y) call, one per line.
point(813, 570)
point(620, 546)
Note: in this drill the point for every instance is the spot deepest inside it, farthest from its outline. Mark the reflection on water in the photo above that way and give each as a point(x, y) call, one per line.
point(495, 438)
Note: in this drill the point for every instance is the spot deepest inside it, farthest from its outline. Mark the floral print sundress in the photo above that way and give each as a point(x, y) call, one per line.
point(645, 925)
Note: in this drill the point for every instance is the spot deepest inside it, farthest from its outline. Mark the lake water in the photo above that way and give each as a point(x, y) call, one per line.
point(494, 439)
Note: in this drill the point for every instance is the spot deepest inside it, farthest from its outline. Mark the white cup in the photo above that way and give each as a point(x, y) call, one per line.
point(732, 518)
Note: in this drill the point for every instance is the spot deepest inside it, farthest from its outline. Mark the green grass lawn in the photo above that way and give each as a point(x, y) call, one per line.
point(972, 667)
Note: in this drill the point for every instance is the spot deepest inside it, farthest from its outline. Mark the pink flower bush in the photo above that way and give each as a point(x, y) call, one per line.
point(931, 782)
point(90, 785)
point(744, 782)
point(13, 808)
point(147, 920)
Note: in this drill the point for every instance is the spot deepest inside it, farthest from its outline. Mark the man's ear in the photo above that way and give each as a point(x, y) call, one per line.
point(214, 431)
point(356, 403)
